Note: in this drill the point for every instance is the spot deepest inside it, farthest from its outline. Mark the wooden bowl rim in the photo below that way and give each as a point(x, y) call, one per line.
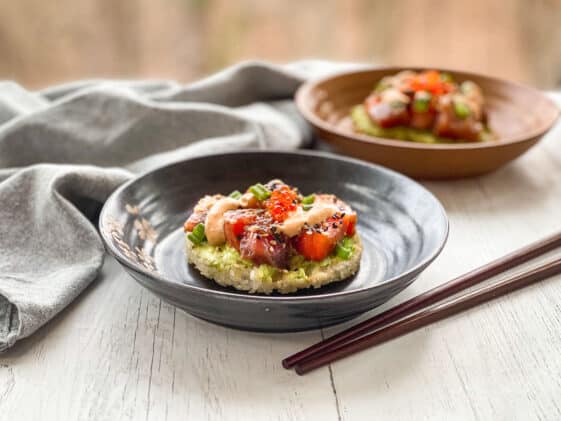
point(306, 88)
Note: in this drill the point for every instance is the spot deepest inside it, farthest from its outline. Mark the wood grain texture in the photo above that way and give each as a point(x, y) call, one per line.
point(120, 353)
point(499, 361)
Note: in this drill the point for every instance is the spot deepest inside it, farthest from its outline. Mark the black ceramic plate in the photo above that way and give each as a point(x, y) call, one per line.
point(403, 228)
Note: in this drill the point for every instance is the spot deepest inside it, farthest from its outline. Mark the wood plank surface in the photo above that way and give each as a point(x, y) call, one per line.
point(495, 362)
point(118, 352)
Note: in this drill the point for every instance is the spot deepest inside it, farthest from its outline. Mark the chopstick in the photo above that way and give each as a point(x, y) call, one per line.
point(428, 298)
point(426, 317)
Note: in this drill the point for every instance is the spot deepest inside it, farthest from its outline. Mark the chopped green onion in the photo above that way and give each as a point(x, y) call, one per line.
point(446, 77)
point(199, 230)
point(260, 191)
point(421, 105)
point(235, 194)
point(344, 249)
point(461, 109)
point(421, 102)
point(197, 236)
point(308, 200)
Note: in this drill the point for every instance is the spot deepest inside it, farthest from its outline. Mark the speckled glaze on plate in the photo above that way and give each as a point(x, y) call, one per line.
point(403, 228)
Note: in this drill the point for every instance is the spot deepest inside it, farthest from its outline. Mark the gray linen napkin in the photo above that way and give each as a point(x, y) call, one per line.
point(63, 150)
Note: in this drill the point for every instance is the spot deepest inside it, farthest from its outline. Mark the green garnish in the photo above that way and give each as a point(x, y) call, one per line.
point(421, 102)
point(260, 191)
point(344, 249)
point(446, 77)
point(197, 236)
point(421, 105)
point(308, 200)
point(235, 194)
point(461, 109)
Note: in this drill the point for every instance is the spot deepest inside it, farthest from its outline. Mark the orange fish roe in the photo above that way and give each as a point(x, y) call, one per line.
point(281, 203)
point(430, 81)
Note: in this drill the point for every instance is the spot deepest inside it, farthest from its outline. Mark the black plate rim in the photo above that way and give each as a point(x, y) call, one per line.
point(135, 267)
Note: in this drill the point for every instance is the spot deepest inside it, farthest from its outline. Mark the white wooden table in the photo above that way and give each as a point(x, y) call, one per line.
point(118, 352)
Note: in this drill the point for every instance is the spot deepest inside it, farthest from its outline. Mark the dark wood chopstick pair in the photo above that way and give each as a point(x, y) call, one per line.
point(415, 312)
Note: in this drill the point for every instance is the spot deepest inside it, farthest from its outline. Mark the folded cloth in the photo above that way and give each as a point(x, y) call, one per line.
point(63, 150)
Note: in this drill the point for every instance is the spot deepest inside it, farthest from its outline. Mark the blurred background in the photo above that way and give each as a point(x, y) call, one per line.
point(45, 42)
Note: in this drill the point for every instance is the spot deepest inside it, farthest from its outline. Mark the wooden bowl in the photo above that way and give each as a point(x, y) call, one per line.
point(518, 115)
